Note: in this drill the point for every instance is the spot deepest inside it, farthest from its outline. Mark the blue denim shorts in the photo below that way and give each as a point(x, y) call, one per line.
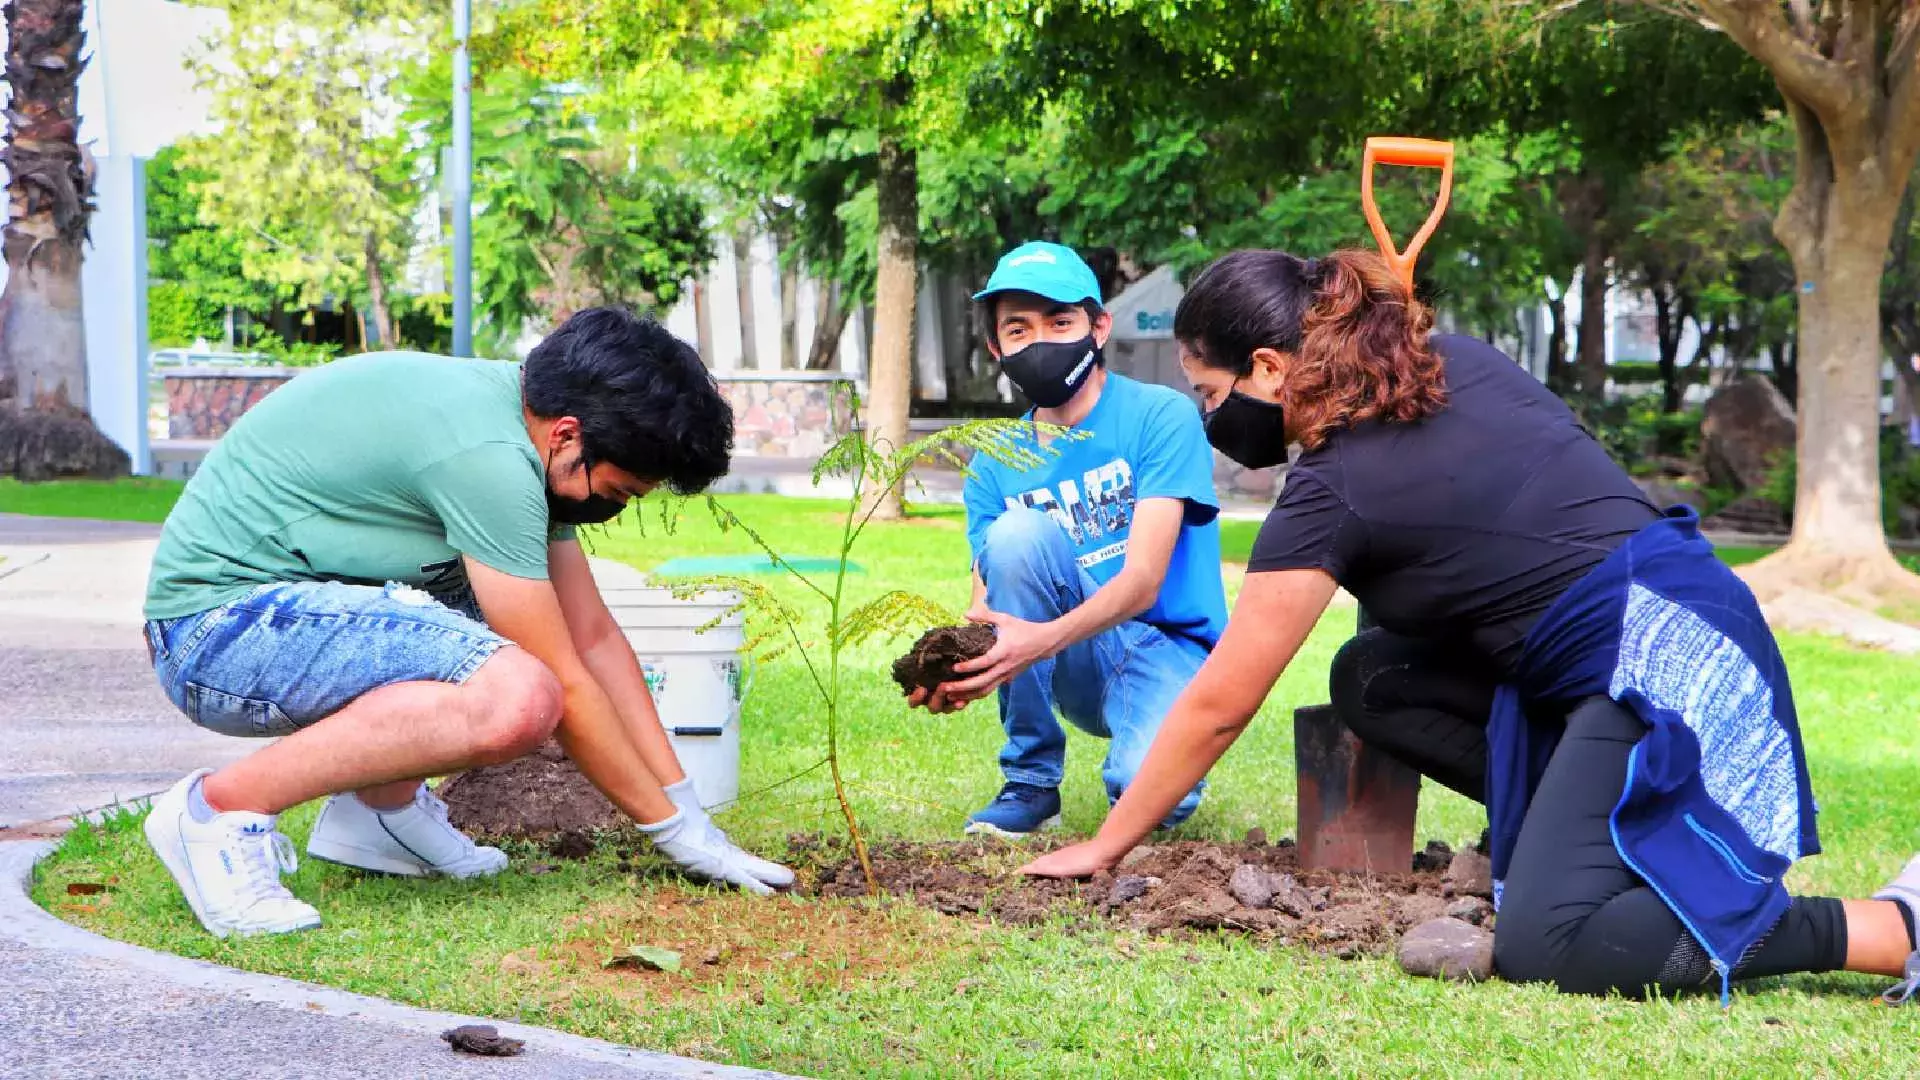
point(285, 655)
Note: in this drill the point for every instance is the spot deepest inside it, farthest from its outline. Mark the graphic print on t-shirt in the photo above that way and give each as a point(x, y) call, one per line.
point(1099, 505)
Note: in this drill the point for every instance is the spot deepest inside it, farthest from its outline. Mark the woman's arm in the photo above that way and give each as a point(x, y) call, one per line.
point(1274, 614)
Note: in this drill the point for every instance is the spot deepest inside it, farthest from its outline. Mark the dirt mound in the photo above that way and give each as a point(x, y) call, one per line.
point(930, 662)
point(1178, 887)
point(539, 796)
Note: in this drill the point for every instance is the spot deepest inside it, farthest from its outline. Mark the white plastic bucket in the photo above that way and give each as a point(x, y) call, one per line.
point(697, 678)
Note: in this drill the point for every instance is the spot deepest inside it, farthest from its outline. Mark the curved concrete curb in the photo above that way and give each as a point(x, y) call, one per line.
point(24, 922)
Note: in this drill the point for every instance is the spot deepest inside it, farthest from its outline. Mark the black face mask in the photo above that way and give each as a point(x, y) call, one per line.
point(1250, 431)
point(1051, 372)
point(592, 510)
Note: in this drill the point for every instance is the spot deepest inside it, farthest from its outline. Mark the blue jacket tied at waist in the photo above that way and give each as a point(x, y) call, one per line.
point(1717, 803)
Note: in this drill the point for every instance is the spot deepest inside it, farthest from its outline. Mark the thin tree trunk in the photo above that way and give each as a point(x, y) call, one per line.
point(377, 294)
point(830, 321)
point(1592, 362)
point(890, 376)
point(789, 308)
point(703, 321)
point(743, 289)
point(1557, 380)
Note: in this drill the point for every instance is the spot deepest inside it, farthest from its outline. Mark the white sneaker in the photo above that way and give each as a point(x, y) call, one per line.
point(413, 841)
point(228, 868)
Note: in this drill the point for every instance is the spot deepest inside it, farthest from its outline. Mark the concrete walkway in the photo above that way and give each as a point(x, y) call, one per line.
point(82, 720)
point(83, 724)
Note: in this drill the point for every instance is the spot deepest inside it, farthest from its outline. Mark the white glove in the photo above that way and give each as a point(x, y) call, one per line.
point(771, 873)
point(703, 852)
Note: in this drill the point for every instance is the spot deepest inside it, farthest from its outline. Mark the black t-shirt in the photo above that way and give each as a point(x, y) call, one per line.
point(1465, 526)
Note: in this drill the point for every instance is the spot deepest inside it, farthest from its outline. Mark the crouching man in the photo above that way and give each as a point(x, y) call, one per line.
point(1099, 569)
point(377, 564)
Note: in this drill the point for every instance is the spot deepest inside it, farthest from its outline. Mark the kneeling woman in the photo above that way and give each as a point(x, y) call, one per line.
point(1548, 643)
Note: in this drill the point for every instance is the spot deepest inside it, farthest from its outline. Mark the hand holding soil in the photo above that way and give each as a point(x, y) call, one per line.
point(930, 661)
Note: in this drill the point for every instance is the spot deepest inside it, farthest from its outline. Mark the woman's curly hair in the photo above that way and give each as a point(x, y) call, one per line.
point(1358, 338)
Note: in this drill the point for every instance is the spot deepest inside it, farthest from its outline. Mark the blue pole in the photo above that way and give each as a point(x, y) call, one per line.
point(462, 167)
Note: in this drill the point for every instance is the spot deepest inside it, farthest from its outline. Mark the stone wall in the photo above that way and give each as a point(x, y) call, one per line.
point(202, 403)
point(792, 414)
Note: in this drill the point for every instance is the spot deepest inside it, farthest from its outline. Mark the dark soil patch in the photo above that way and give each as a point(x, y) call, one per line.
point(539, 796)
point(930, 662)
point(1174, 888)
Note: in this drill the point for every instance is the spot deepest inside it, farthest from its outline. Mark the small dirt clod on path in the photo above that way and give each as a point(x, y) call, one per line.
point(930, 662)
point(482, 1039)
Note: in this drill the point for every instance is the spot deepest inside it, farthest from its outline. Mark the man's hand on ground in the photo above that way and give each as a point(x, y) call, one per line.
point(1018, 645)
point(1076, 861)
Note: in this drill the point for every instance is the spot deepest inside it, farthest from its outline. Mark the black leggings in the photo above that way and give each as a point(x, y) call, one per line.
point(1571, 912)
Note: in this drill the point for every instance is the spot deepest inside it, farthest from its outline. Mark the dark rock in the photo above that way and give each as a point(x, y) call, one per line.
point(1128, 889)
point(1470, 909)
point(1752, 515)
point(1436, 857)
point(1251, 886)
point(483, 1039)
point(1448, 949)
point(1747, 424)
point(1470, 874)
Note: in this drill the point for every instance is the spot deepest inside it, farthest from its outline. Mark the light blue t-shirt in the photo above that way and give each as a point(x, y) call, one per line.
point(1142, 442)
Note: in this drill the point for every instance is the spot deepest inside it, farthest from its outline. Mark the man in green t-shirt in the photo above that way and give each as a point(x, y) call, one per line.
point(377, 564)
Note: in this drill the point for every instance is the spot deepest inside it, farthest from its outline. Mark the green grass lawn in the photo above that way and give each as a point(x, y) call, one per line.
point(844, 989)
point(135, 499)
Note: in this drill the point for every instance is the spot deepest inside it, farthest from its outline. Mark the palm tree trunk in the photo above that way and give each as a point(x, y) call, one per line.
point(43, 350)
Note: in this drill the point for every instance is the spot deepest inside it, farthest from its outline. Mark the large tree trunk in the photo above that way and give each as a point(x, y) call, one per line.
point(890, 375)
point(1847, 70)
point(377, 295)
point(1836, 224)
point(43, 350)
point(743, 290)
point(829, 322)
point(45, 430)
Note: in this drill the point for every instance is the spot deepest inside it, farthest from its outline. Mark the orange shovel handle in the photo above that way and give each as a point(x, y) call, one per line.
point(1414, 153)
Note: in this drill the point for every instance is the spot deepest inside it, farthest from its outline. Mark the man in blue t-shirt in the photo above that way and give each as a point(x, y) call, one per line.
point(1099, 569)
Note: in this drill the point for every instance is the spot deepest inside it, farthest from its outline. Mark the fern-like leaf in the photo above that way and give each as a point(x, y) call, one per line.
point(896, 613)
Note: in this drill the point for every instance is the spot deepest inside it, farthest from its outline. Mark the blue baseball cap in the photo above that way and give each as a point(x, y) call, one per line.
point(1053, 271)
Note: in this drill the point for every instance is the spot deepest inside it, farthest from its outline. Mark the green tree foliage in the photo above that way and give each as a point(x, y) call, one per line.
point(564, 217)
point(314, 171)
point(196, 271)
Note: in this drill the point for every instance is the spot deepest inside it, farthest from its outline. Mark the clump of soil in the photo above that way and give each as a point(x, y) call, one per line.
point(930, 662)
point(1170, 888)
point(539, 796)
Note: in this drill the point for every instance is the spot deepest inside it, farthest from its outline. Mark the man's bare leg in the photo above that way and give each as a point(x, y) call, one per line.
point(386, 739)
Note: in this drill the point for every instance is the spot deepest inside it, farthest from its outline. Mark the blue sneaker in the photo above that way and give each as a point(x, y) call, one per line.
point(1019, 810)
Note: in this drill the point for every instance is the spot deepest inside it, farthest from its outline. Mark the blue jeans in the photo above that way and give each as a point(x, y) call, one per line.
point(287, 655)
point(1117, 685)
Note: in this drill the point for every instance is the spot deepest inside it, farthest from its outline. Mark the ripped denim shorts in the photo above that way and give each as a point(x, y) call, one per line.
point(285, 655)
